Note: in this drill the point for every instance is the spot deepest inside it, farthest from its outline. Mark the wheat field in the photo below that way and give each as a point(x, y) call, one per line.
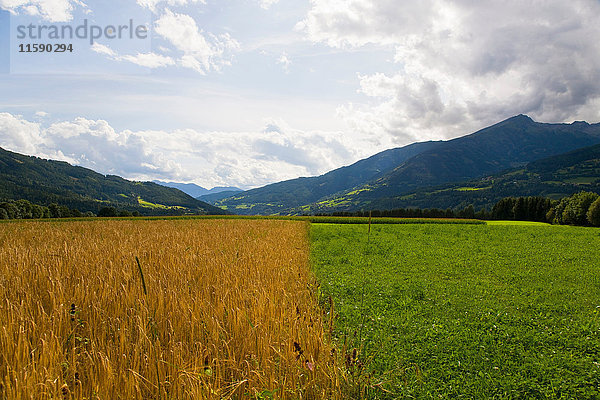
point(171, 309)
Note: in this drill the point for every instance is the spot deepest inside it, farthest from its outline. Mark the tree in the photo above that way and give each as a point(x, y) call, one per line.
point(3, 214)
point(520, 210)
point(559, 211)
point(38, 212)
point(551, 215)
point(503, 210)
point(468, 212)
point(12, 210)
point(25, 208)
point(54, 211)
point(576, 210)
point(593, 215)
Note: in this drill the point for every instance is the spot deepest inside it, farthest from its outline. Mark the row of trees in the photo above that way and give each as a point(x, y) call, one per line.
point(579, 209)
point(465, 213)
point(23, 209)
point(522, 209)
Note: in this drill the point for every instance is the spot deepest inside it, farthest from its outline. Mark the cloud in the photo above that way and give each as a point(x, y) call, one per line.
point(18, 134)
point(148, 60)
point(266, 4)
point(153, 4)
point(462, 65)
point(50, 10)
point(244, 159)
point(102, 49)
point(201, 52)
point(285, 62)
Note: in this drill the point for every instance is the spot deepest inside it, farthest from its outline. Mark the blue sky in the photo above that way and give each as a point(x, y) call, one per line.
point(250, 92)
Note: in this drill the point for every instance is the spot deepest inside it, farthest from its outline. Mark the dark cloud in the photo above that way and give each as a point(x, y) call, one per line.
point(465, 64)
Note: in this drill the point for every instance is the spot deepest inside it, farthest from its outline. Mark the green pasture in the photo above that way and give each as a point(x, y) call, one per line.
point(498, 311)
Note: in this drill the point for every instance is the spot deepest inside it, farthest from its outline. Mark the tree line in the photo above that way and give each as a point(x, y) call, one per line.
point(24, 209)
point(581, 209)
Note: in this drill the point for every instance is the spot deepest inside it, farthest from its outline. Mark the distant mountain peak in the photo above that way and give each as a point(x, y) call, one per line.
point(521, 118)
point(580, 123)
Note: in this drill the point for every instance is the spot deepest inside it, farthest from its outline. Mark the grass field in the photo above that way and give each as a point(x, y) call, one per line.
point(215, 309)
point(464, 311)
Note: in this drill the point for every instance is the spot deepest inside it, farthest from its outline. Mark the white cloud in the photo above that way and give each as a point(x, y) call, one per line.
point(148, 60)
point(463, 64)
point(285, 62)
point(244, 159)
point(50, 10)
point(201, 52)
point(266, 4)
point(18, 134)
point(102, 49)
point(153, 4)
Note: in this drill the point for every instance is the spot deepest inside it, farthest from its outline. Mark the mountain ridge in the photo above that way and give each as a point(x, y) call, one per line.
point(554, 177)
point(196, 191)
point(511, 143)
point(305, 190)
point(43, 182)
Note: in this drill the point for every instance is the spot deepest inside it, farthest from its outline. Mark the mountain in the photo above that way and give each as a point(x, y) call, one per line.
point(509, 144)
point(198, 191)
point(221, 189)
point(188, 188)
point(45, 181)
point(553, 177)
point(278, 197)
point(214, 198)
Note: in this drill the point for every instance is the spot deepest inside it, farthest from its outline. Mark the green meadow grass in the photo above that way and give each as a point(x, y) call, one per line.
point(464, 311)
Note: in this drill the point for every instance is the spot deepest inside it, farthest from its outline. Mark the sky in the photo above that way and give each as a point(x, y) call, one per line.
point(250, 92)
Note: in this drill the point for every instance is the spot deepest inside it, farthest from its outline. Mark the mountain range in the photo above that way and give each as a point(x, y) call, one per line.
point(552, 177)
point(397, 177)
point(197, 191)
point(516, 157)
point(45, 181)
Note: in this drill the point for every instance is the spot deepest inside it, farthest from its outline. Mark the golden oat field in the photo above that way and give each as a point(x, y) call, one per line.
point(170, 309)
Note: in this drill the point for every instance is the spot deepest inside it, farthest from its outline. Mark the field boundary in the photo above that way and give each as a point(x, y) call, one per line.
point(311, 219)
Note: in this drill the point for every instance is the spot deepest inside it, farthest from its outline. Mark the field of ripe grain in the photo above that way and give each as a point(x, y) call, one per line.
point(214, 309)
